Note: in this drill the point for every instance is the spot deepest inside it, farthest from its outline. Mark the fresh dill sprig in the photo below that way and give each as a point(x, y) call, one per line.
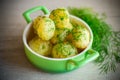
point(106, 41)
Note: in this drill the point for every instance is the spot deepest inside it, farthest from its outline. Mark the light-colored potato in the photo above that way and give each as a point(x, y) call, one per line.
point(80, 37)
point(44, 27)
point(63, 50)
point(61, 18)
point(59, 36)
point(40, 46)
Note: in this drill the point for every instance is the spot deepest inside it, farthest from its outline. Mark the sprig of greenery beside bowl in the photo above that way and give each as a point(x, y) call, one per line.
point(106, 41)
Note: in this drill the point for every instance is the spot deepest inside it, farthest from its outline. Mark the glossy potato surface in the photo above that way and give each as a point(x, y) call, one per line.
point(63, 50)
point(40, 46)
point(61, 18)
point(44, 27)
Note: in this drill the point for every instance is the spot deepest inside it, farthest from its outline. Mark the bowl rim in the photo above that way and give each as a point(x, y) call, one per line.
point(57, 59)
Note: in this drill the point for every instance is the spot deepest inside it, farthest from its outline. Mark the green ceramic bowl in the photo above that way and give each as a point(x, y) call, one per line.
point(53, 64)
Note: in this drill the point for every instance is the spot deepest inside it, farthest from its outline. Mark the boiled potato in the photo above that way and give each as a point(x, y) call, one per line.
point(40, 46)
point(61, 18)
point(44, 27)
point(80, 37)
point(59, 36)
point(63, 50)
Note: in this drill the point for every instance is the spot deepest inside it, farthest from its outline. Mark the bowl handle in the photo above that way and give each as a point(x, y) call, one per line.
point(27, 13)
point(89, 56)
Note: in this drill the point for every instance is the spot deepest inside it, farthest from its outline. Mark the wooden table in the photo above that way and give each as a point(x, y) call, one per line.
point(14, 65)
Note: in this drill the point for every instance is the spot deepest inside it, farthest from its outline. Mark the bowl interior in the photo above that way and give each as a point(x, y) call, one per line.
point(28, 34)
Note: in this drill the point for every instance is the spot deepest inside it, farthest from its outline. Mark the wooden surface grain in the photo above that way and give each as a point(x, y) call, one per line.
point(14, 65)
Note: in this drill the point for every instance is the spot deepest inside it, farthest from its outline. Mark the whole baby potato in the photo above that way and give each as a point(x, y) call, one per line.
point(61, 18)
point(44, 27)
point(59, 36)
point(63, 50)
point(40, 46)
point(80, 37)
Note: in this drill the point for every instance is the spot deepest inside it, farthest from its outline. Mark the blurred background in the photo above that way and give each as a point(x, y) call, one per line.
point(13, 62)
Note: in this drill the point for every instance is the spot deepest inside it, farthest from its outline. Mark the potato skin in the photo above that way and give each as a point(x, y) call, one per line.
point(40, 46)
point(61, 18)
point(44, 27)
point(80, 37)
point(59, 36)
point(63, 50)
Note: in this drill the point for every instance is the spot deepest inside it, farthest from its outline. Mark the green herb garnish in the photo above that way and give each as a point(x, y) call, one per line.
point(106, 41)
